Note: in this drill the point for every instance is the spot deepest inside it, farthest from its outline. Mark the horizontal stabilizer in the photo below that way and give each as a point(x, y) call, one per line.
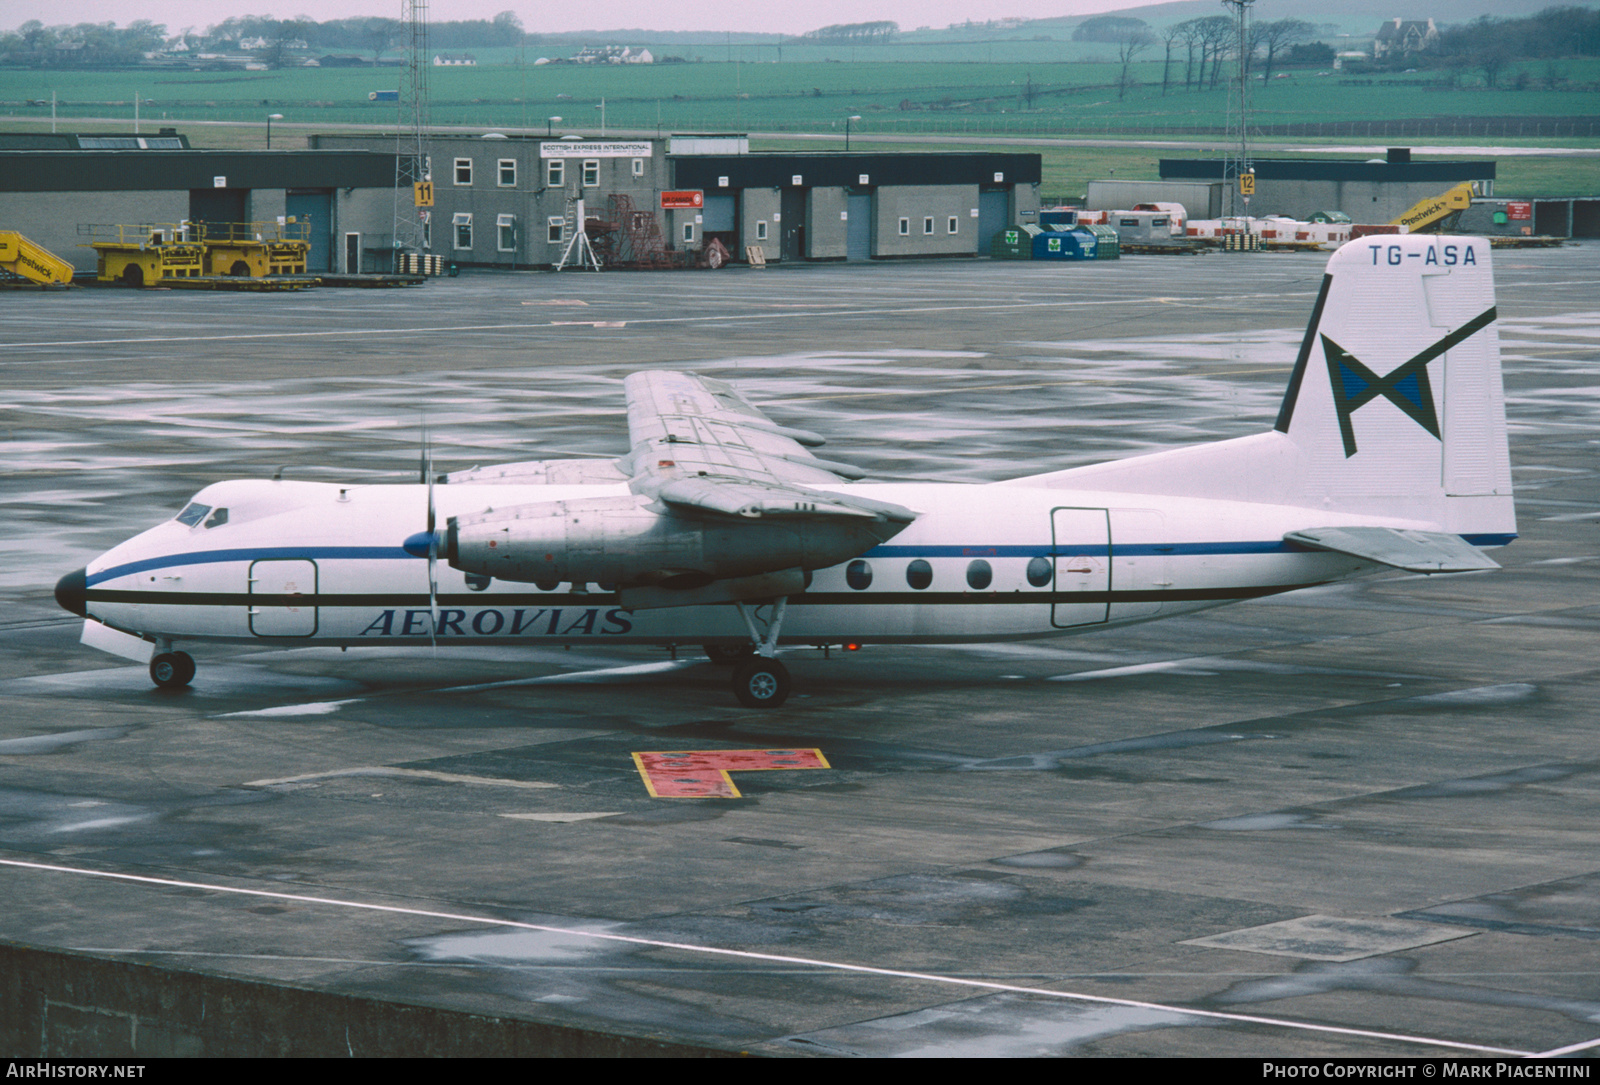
point(1414, 551)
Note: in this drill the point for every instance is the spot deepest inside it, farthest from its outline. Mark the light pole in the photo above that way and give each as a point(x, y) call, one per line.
point(270, 118)
point(550, 126)
point(602, 108)
point(847, 120)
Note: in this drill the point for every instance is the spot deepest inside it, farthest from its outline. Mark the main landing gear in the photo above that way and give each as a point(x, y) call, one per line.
point(760, 681)
point(172, 670)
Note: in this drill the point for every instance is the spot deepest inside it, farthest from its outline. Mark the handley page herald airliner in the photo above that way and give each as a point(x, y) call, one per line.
point(720, 528)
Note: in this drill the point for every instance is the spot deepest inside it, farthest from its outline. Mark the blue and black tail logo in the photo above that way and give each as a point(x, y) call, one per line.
point(1407, 387)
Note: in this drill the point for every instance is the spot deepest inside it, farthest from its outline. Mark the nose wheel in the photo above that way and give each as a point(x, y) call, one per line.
point(172, 670)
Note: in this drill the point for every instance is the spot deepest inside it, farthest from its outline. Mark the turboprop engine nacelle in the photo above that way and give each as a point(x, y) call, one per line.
point(621, 540)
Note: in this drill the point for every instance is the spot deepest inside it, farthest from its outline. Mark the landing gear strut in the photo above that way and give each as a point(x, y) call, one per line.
point(172, 670)
point(762, 682)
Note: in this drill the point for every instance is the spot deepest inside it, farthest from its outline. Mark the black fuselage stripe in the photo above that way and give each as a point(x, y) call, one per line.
point(882, 598)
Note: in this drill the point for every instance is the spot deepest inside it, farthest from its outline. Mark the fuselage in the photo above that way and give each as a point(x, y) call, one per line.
point(298, 562)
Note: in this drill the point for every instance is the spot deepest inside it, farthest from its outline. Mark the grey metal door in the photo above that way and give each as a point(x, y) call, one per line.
point(858, 232)
point(994, 214)
point(313, 209)
point(793, 203)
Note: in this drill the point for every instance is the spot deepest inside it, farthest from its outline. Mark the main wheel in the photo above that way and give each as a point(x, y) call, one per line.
point(724, 655)
point(761, 683)
point(172, 670)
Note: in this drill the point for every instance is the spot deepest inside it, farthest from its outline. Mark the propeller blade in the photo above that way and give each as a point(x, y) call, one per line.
point(433, 542)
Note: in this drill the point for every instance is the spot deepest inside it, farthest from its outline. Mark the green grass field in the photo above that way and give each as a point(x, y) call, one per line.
point(938, 104)
point(906, 97)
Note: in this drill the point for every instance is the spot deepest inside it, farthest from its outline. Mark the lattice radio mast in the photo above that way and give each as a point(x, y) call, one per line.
point(1238, 162)
point(411, 153)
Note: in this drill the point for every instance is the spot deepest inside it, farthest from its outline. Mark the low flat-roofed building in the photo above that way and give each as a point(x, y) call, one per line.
point(63, 185)
point(1371, 191)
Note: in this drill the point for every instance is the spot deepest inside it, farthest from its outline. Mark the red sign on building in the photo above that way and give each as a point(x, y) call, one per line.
point(1518, 210)
point(688, 200)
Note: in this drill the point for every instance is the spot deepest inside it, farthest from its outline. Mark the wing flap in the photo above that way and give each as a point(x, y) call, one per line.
point(1413, 551)
point(757, 500)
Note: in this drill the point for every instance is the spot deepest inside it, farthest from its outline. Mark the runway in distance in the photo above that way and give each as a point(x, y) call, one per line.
point(722, 528)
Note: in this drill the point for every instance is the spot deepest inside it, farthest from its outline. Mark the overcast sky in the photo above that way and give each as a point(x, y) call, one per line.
point(768, 16)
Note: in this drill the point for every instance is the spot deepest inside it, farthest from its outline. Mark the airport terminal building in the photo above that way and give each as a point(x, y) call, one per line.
point(511, 201)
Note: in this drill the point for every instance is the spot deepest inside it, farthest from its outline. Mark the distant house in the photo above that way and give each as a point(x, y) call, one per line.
point(454, 60)
point(1402, 37)
point(612, 54)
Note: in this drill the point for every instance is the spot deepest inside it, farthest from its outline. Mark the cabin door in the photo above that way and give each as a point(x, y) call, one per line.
point(1082, 540)
point(274, 610)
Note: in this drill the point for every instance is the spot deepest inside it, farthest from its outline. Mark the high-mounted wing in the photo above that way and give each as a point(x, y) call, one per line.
point(725, 505)
point(699, 447)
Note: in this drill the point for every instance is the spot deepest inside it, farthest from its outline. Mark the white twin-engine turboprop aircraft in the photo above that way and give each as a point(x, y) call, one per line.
point(719, 528)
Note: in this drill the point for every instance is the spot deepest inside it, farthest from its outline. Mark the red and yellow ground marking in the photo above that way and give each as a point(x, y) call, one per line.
point(703, 774)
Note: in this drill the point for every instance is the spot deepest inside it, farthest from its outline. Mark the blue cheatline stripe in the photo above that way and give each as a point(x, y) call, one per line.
point(392, 553)
point(210, 557)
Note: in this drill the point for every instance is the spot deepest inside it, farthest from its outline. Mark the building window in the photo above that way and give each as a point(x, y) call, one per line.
point(955, 224)
point(555, 172)
point(591, 172)
point(463, 225)
point(555, 229)
point(508, 173)
point(506, 232)
point(927, 225)
point(638, 167)
point(463, 171)
point(761, 229)
point(688, 233)
point(905, 227)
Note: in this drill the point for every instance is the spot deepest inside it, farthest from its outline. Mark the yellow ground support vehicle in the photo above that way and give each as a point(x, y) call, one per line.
point(1434, 213)
point(146, 254)
point(37, 264)
point(256, 249)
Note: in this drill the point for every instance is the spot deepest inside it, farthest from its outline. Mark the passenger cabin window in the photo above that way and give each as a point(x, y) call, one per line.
point(979, 575)
point(919, 574)
point(1039, 572)
point(858, 574)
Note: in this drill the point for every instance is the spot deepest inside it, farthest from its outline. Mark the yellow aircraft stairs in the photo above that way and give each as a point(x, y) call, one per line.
point(31, 262)
point(1435, 213)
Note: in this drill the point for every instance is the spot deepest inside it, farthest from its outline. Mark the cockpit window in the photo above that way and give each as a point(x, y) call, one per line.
point(218, 518)
point(193, 513)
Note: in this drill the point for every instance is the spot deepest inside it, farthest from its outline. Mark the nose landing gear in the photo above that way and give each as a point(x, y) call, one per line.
point(172, 670)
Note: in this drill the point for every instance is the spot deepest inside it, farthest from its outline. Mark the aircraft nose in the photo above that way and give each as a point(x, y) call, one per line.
point(72, 592)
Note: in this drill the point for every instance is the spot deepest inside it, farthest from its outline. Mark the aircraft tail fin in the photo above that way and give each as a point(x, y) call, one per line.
point(1395, 406)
